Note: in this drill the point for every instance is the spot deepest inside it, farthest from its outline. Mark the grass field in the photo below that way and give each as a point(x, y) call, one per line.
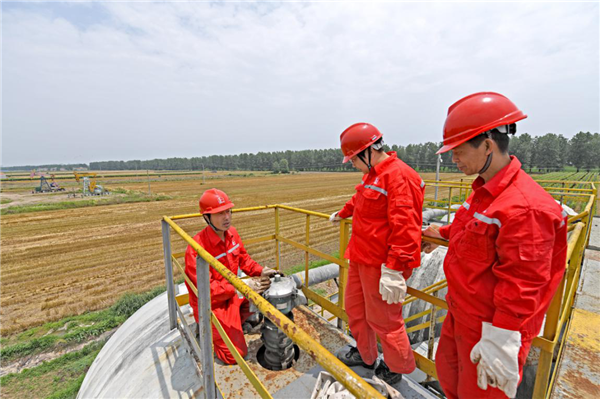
point(63, 262)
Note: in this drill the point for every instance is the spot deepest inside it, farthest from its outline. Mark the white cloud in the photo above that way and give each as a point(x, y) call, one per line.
point(149, 80)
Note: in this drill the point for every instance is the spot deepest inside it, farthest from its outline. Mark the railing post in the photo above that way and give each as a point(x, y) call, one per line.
point(431, 338)
point(205, 327)
point(344, 233)
point(166, 235)
point(277, 253)
point(306, 252)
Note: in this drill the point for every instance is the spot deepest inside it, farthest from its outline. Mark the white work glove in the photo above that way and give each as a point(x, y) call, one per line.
point(497, 359)
point(392, 285)
point(334, 218)
point(258, 284)
point(268, 272)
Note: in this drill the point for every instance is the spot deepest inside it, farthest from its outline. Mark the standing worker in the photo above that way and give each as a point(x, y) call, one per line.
point(506, 255)
point(222, 241)
point(384, 247)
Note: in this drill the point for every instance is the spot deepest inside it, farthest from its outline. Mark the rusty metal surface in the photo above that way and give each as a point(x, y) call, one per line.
point(579, 374)
point(234, 384)
point(579, 368)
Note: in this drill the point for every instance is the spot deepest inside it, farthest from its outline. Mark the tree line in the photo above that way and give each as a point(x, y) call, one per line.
point(548, 152)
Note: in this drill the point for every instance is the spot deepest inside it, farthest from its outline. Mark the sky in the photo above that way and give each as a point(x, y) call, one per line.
point(84, 82)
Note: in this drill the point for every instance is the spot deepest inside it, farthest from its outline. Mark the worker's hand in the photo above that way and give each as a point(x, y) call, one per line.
point(497, 359)
point(268, 272)
point(334, 218)
point(392, 285)
point(258, 284)
point(431, 231)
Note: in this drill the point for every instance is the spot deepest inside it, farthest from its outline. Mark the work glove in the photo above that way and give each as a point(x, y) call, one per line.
point(497, 359)
point(431, 231)
point(334, 218)
point(392, 285)
point(268, 272)
point(258, 284)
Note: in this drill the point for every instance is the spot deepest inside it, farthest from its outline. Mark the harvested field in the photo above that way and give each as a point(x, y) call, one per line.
point(65, 262)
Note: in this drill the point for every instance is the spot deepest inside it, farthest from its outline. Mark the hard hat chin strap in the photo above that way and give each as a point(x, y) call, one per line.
point(488, 161)
point(361, 156)
point(207, 220)
point(487, 164)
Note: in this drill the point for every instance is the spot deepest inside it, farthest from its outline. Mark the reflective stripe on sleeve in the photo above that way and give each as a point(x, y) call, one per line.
point(466, 205)
point(487, 220)
point(422, 184)
point(565, 215)
point(378, 189)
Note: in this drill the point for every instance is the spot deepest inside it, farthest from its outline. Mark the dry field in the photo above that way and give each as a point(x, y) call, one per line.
point(65, 262)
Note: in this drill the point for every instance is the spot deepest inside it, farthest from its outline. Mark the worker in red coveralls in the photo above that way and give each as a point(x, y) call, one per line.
point(506, 255)
point(222, 241)
point(385, 246)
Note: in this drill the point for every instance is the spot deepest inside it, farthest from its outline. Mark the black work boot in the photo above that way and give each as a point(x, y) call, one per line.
point(382, 371)
point(353, 358)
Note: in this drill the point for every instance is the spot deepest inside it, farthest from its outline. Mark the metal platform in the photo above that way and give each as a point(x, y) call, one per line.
point(143, 359)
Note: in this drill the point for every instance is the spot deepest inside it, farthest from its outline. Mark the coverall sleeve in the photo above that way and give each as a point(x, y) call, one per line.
point(247, 264)
point(220, 290)
point(348, 209)
point(405, 217)
point(525, 244)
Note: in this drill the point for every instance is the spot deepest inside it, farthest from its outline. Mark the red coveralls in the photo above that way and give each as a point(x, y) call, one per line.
point(386, 228)
point(231, 310)
point(505, 259)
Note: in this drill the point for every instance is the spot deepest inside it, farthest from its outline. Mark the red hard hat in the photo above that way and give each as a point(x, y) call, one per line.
point(214, 201)
point(476, 114)
point(357, 138)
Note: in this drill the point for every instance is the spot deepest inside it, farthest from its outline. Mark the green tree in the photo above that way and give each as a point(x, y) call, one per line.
point(580, 152)
point(522, 147)
point(284, 166)
point(547, 152)
point(276, 167)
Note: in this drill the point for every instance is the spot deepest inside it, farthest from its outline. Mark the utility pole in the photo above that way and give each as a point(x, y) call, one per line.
point(203, 174)
point(148, 174)
point(437, 176)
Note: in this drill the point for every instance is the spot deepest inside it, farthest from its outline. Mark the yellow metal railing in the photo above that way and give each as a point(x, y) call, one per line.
point(455, 193)
point(559, 312)
point(328, 361)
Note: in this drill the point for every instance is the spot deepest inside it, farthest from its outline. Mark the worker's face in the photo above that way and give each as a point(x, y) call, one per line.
point(360, 165)
point(469, 159)
point(221, 220)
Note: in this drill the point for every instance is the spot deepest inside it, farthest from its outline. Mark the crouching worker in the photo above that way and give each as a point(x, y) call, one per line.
point(222, 241)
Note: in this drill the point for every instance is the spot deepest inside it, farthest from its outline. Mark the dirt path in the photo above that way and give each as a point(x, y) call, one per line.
point(27, 198)
point(31, 361)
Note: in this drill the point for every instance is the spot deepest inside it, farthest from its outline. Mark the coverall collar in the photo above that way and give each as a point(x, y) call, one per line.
point(501, 180)
point(214, 239)
point(383, 164)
